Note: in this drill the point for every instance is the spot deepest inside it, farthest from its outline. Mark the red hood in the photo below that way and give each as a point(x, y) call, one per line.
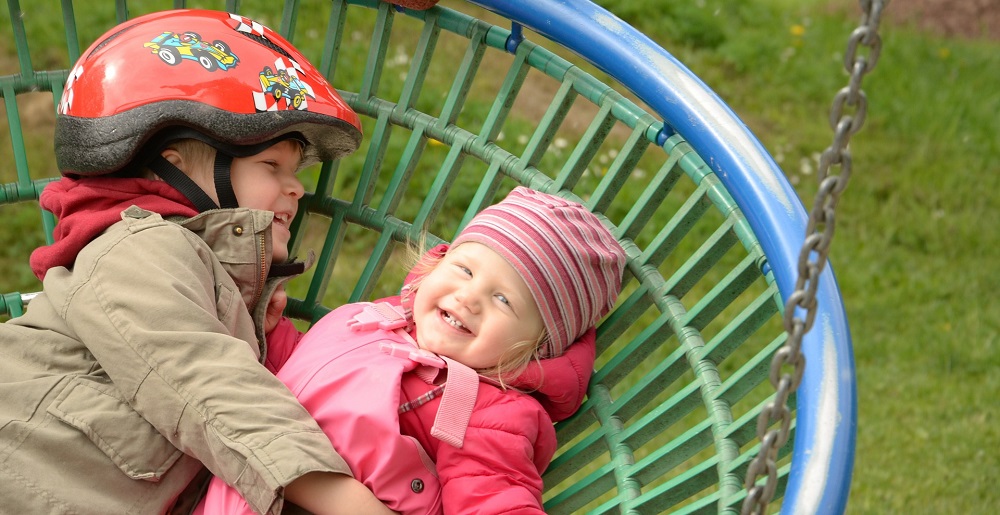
point(86, 207)
point(559, 383)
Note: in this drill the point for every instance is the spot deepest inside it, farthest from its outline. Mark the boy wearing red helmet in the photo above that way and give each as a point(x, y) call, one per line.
point(137, 372)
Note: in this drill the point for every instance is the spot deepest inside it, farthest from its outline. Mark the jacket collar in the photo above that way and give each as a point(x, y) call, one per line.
point(241, 239)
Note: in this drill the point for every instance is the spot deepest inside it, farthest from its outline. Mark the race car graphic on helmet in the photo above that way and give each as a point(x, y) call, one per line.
point(174, 47)
point(282, 88)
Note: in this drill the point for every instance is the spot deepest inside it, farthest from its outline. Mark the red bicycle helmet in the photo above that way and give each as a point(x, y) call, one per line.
point(215, 76)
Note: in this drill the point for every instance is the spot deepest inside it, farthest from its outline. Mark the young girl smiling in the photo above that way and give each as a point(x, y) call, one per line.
point(443, 399)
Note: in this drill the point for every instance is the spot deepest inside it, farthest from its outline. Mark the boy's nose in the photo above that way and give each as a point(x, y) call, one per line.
point(294, 187)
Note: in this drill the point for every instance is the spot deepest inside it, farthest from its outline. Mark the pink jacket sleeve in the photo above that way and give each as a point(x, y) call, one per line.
point(281, 341)
point(498, 469)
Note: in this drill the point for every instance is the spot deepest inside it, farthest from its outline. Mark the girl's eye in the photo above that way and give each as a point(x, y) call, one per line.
point(503, 298)
point(464, 269)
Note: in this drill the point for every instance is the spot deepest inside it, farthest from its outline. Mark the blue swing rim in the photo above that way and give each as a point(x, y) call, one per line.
point(826, 418)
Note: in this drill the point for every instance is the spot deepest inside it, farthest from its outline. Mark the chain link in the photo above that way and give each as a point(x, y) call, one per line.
point(788, 364)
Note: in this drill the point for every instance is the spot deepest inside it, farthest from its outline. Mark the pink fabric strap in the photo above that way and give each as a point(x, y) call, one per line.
point(460, 391)
point(461, 387)
point(383, 316)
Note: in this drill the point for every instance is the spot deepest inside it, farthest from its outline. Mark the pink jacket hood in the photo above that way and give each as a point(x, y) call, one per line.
point(559, 383)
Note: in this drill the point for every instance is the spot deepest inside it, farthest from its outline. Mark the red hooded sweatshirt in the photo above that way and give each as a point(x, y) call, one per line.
point(86, 207)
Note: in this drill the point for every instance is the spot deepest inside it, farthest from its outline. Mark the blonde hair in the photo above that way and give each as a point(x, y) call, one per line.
point(192, 150)
point(515, 359)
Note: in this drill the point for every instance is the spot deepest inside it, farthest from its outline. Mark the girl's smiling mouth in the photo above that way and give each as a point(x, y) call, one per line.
point(453, 321)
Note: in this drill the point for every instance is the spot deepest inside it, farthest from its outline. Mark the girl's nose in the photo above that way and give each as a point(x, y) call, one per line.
point(469, 298)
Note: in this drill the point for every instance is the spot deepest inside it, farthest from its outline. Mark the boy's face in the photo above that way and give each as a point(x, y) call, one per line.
point(265, 181)
point(473, 306)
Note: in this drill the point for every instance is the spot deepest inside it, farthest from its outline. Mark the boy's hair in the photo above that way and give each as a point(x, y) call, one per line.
point(198, 151)
point(194, 150)
point(195, 153)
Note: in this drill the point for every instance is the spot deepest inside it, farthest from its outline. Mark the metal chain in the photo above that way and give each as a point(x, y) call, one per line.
point(812, 259)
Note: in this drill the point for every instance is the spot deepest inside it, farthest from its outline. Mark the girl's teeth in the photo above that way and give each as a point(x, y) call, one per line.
point(452, 321)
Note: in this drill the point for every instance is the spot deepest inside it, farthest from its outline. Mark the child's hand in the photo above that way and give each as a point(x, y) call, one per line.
point(329, 493)
point(275, 307)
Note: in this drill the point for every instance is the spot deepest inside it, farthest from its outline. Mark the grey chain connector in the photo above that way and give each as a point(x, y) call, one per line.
point(812, 259)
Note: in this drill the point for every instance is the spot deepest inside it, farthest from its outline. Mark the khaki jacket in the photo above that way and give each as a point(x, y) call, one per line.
point(140, 364)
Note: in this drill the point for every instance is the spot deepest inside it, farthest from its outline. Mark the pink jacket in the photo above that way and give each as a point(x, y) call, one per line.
point(428, 459)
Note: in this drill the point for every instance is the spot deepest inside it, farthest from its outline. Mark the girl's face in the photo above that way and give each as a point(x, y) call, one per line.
point(265, 181)
point(473, 306)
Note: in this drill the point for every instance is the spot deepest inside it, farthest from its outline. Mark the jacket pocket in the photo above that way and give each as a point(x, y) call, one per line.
point(115, 428)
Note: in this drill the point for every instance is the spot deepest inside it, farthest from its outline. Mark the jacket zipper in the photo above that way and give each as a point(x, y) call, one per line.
point(259, 290)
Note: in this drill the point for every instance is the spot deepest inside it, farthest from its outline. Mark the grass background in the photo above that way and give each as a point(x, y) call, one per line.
point(915, 248)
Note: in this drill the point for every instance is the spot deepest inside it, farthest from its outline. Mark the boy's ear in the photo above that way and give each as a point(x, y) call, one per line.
point(174, 157)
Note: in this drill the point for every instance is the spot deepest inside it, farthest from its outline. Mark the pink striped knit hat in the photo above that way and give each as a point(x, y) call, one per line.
point(571, 263)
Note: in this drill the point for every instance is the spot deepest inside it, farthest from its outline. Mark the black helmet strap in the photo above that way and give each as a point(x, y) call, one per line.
point(222, 170)
point(182, 183)
point(223, 184)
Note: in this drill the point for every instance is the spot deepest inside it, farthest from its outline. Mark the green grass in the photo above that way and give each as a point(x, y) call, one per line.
point(914, 249)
